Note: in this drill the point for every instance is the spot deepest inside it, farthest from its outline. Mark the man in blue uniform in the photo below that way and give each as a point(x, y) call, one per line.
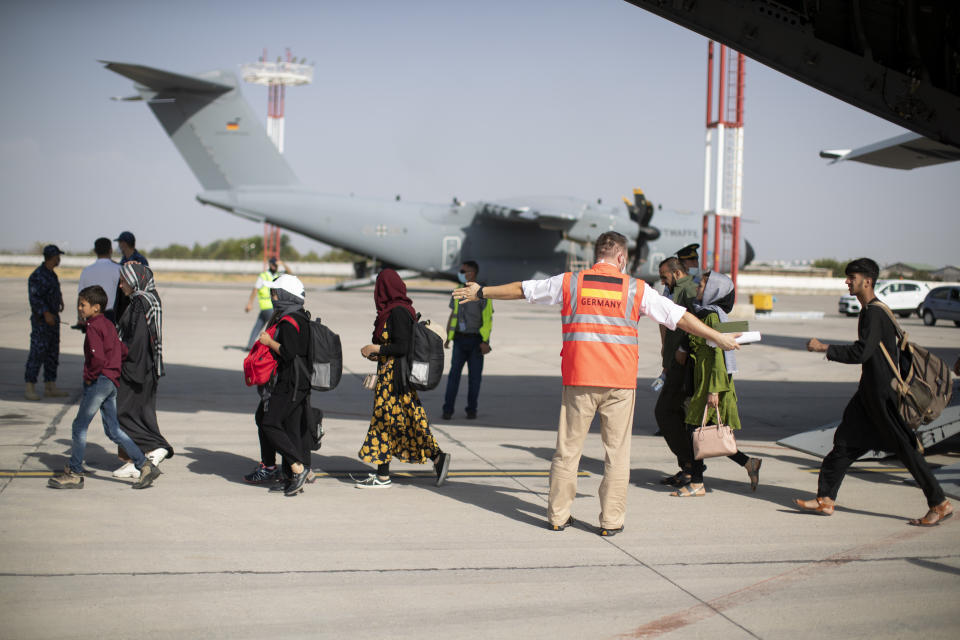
point(46, 303)
point(128, 247)
point(128, 253)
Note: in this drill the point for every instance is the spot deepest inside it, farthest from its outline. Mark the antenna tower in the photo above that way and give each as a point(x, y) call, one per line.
point(725, 201)
point(276, 76)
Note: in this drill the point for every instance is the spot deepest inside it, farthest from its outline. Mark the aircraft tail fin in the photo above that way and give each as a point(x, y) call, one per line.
point(211, 125)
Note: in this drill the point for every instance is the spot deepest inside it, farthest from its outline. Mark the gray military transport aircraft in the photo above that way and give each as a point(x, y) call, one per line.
point(242, 172)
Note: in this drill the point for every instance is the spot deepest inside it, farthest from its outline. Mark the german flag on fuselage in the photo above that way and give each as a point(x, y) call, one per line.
point(595, 286)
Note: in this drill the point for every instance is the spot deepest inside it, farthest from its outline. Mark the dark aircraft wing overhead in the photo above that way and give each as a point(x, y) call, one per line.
point(897, 60)
point(907, 151)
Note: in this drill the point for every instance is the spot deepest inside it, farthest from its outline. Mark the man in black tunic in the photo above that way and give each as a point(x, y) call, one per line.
point(870, 420)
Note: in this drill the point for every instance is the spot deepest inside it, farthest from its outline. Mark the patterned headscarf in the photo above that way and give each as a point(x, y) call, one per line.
point(718, 295)
point(140, 279)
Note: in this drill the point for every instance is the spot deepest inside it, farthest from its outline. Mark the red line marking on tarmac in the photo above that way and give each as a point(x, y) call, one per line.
point(699, 612)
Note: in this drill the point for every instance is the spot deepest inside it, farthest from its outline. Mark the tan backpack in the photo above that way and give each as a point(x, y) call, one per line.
point(924, 387)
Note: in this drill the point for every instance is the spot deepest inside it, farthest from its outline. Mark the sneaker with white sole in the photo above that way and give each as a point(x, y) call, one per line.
point(373, 482)
point(442, 467)
point(127, 471)
point(157, 456)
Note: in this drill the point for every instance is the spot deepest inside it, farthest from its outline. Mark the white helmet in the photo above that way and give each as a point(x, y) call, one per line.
point(290, 284)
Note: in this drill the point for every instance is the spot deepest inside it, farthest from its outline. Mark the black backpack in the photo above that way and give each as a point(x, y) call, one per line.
point(326, 356)
point(424, 365)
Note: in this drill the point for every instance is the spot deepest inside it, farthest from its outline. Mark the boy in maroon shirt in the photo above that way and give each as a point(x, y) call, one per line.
point(102, 355)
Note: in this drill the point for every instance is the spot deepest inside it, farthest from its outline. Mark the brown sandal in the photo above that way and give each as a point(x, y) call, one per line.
point(820, 505)
point(690, 491)
point(753, 471)
point(934, 516)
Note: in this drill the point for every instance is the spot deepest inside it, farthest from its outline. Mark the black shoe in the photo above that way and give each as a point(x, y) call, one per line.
point(657, 433)
point(447, 415)
point(471, 415)
point(297, 482)
point(561, 527)
point(606, 533)
point(280, 486)
point(442, 467)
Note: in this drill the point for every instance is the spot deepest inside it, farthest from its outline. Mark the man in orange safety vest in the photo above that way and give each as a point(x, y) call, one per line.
point(600, 310)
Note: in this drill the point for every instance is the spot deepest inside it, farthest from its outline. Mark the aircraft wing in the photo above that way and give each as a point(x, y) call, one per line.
point(160, 80)
point(557, 214)
point(907, 151)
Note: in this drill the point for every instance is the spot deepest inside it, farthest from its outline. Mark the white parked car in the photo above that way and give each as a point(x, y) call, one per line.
point(902, 296)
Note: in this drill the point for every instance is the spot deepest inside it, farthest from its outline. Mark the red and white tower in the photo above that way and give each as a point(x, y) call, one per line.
point(723, 200)
point(276, 76)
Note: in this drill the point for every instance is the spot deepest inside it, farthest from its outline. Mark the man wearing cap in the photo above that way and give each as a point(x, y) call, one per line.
point(105, 273)
point(261, 292)
point(128, 247)
point(46, 303)
point(691, 260)
point(669, 410)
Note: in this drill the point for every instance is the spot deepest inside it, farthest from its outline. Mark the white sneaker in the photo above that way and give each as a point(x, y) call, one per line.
point(127, 471)
point(373, 482)
point(157, 456)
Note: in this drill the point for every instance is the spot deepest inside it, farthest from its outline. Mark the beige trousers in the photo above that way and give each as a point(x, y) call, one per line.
point(580, 404)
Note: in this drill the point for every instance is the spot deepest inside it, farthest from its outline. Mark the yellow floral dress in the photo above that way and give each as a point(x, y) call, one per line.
point(399, 427)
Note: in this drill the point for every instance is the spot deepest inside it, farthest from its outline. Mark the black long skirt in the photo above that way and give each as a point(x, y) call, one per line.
point(137, 414)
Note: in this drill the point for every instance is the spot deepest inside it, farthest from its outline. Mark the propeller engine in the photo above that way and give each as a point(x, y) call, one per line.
point(641, 212)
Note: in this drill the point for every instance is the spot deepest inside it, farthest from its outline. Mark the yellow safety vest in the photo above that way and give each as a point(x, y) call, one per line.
point(263, 293)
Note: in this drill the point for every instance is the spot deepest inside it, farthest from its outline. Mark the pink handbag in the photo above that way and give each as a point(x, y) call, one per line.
point(714, 440)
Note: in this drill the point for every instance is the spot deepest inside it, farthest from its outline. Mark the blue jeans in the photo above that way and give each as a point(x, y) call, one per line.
point(101, 395)
point(466, 350)
point(262, 319)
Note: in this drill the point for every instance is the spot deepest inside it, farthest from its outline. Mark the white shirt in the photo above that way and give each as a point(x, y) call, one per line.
point(104, 272)
point(658, 308)
point(261, 283)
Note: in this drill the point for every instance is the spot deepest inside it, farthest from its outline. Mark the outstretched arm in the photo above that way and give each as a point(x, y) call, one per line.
point(692, 325)
point(468, 293)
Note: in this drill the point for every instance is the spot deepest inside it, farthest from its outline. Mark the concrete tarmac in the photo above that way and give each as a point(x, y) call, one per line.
point(202, 554)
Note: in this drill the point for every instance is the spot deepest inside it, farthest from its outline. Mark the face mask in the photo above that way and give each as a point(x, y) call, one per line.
point(462, 277)
point(693, 272)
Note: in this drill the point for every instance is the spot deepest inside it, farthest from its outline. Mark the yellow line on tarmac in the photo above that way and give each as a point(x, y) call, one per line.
point(868, 470)
point(26, 474)
point(452, 474)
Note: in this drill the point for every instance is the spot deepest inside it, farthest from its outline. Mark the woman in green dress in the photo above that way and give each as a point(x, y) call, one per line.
point(399, 427)
point(713, 389)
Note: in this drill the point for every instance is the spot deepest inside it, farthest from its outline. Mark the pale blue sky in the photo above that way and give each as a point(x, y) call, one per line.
point(480, 100)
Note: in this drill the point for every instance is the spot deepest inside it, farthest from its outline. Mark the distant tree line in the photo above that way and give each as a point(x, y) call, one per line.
point(836, 267)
